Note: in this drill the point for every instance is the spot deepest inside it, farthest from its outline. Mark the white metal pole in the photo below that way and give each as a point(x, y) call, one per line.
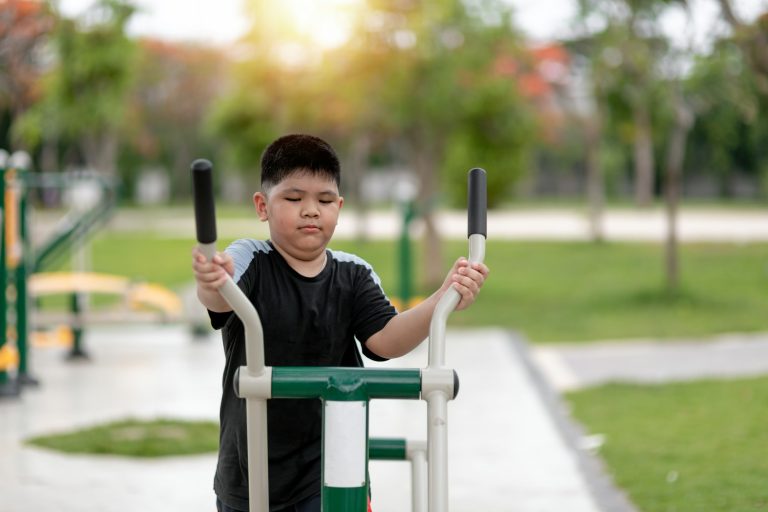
point(437, 440)
point(258, 475)
point(437, 407)
point(417, 454)
point(437, 397)
point(256, 408)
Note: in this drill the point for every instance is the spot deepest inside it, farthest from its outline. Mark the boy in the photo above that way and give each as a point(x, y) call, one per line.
point(313, 303)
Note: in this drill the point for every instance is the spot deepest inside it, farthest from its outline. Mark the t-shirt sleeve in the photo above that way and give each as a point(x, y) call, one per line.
point(372, 309)
point(218, 320)
point(241, 252)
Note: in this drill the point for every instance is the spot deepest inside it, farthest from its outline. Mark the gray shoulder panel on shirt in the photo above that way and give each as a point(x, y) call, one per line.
point(242, 253)
point(357, 260)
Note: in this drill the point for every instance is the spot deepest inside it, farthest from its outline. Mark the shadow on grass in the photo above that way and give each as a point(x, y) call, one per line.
point(663, 297)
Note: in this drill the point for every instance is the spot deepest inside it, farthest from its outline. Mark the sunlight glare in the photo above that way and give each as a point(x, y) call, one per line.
point(326, 24)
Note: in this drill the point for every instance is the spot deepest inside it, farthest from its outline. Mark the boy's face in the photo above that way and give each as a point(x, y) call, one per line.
point(302, 211)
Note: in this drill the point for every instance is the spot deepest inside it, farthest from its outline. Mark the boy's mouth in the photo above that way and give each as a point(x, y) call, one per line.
point(311, 228)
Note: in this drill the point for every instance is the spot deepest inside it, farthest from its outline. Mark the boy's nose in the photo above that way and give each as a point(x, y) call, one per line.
point(311, 210)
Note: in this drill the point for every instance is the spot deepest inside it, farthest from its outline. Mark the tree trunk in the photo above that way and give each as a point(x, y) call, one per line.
point(675, 157)
point(179, 174)
point(359, 154)
point(643, 149)
point(49, 155)
point(729, 14)
point(595, 190)
point(754, 46)
point(432, 264)
point(100, 152)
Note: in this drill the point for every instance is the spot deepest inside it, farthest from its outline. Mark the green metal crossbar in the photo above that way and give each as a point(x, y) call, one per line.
point(387, 449)
point(76, 227)
point(415, 452)
point(345, 384)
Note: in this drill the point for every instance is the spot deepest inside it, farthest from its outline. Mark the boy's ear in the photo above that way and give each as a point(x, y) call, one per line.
point(260, 202)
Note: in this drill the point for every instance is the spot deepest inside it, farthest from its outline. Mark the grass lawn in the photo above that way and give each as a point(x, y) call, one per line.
point(689, 447)
point(137, 438)
point(551, 291)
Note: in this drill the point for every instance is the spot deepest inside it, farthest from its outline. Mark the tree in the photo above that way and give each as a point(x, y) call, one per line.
point(25, 26)
point(580, 98)
point(84, 98)
point(645, 69)
point(683, 119)
point(448, 102)
point(416, 76)
point(730, 137)
point(626, 54)
point(753, 40)
point(174, 87)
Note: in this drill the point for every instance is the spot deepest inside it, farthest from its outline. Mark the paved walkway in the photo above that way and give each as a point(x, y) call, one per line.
point(569, 367)
point(507, 449)
point(695, 224)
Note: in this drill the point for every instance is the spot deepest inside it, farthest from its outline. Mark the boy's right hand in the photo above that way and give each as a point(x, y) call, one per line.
point(211, 275)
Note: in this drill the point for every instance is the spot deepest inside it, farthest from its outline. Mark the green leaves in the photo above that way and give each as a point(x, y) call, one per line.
point(85, 95)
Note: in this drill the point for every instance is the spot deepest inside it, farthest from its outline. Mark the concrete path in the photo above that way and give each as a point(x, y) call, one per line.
point(695, 224)
point(508, 451)
point(569, 367)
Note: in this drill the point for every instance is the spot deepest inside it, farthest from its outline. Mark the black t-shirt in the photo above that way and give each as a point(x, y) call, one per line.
point(307, 321)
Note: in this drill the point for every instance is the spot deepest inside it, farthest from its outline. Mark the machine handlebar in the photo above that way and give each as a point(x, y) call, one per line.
point(477, 203)
point(205, 211)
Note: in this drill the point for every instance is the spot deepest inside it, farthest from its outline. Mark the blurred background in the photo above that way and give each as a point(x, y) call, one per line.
point(574, 103)
point(626, 145)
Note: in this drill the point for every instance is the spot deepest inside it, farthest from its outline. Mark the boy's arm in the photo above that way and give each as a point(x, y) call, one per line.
point(408, 329)
point(210, 276)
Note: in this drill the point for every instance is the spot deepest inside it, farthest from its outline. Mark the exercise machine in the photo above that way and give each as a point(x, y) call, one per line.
point(345, 392)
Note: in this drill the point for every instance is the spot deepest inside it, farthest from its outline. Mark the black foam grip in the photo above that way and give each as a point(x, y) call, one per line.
point(205, 212)
point(477, 203)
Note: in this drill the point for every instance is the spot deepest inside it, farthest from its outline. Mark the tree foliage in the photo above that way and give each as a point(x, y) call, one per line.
point(84, 97)
point(730, 136)
point(174, 87)
point(418, 74)
point(24, 29)
point(415, 81)
point(627, 56)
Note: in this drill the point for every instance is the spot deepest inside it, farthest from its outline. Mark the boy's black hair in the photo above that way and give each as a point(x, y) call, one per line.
point(298, 153)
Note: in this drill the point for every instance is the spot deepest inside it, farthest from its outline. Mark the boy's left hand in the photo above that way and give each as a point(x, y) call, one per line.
point(467, 280)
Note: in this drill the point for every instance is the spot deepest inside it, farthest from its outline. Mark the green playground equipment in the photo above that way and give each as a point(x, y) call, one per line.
point(80, 223)
point(92, 211)
point(14, 353)
point(345, 392)
point(18, 260)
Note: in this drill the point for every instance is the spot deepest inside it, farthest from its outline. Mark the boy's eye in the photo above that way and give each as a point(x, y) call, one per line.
point(325, 201)
point(292, 199)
